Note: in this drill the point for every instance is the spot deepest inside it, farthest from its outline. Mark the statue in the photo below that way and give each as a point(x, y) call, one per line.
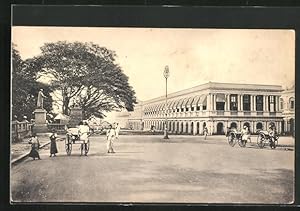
point(40, 99)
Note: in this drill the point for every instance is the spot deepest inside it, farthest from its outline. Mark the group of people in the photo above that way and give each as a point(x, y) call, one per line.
point(83, 131)
point(35, 145)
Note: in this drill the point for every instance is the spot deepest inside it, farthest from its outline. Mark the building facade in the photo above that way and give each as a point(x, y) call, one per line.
point(287, 107)
point(218, 106)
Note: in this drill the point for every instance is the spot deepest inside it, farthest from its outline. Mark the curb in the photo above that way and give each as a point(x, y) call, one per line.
point(22, 157)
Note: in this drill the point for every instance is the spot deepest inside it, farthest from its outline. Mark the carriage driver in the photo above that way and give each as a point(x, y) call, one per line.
point(271, 132)
point(245, 133)
point(84, 132)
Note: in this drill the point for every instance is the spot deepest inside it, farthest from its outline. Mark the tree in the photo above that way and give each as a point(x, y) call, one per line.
point(87, 74)
point(25, 87)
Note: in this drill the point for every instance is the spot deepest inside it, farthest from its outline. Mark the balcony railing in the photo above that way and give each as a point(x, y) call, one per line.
point(221, 113)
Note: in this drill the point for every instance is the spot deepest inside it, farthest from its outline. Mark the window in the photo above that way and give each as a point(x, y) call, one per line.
point(233, 103)
point(204, 107)
point(182, 109)
point(259, 103)
point(220, 106)
point(187, 109)
point(292, 104)
point(272, 103)
point(192, 109)
point(281, 103)
point(198, 108)
point(246, 102)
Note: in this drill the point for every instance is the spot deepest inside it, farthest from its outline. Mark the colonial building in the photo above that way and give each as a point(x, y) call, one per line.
point(287, 107)
point(218, 106)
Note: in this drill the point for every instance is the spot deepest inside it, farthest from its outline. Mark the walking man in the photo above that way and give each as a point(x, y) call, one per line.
point(110, 136)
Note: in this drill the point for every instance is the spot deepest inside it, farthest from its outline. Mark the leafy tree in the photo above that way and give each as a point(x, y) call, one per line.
point(25, 88)
point(85, 73)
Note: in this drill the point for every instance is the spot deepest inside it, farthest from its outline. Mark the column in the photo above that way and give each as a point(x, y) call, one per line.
point(242, 106)
point(254, 102)
point(251, 103)
point(213, 102)
point(189, 127)
point(195, 128)
point(267, 103)
point(201, 128)
point(225, 106)
point(239, 102)
point(208, 102)
point(277, 103)
point(228, 102)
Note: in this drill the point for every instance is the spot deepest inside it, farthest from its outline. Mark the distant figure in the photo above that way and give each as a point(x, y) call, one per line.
point(117, 129)
point(40, 99)
point(35, 145)
point(152, 129)
point(84, 132)
point(53, 147)
point(110, 136)
point(205, 132)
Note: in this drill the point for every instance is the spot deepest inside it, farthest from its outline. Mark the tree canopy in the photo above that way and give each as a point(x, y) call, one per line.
point(25, 88)
point(86, 74)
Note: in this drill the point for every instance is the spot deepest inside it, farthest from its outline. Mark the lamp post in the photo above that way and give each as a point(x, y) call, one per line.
point(166, 75)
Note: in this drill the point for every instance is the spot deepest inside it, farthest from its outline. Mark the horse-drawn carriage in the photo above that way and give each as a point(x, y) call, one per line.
point(264, 138)
point(73, 137)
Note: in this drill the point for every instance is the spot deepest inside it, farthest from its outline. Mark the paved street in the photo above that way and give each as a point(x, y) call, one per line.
point(148, 169)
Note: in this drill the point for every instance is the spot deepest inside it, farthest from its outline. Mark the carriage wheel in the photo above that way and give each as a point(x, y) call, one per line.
point(231, 139)
point(68, 145)
point(242, 143)
point(261, 140)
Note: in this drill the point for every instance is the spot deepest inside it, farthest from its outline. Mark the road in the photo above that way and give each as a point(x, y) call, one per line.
point(184, 169)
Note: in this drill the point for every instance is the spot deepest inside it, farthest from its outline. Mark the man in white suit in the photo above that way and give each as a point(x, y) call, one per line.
point(110, 136)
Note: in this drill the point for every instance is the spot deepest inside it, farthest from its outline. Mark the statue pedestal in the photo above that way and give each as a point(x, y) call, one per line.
point(75, 116)
point(40, 125)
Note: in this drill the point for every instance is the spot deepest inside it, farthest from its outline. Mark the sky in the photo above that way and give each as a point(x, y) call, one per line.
point(194, 56)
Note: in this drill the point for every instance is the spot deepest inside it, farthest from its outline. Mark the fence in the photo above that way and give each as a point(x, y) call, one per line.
point(20, 130)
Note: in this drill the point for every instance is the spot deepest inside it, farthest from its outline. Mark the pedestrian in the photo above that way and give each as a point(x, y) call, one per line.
point(205, 132)
point(84, 132)
point(110, 136)
point(35, 145)
point(117, 130)
point(53, 147)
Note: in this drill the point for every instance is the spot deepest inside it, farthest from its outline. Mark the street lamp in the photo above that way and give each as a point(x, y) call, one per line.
point(166, 75)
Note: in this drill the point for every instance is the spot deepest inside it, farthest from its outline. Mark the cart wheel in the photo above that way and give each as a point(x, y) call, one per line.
point(242, 143)
point(261, 140)
point(68, 145)
point(231, 139)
